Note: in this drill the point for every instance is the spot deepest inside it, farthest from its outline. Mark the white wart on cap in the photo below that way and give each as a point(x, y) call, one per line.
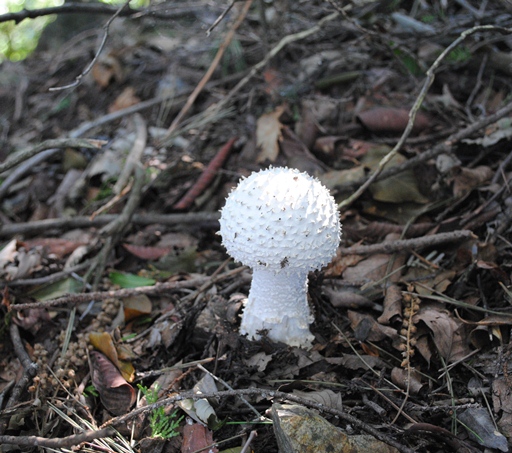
point(283, 224)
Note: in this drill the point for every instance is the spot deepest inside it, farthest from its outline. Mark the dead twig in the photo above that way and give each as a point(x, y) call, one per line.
point(58, 442)
point(404, 244)
point(192, 218)
point(206, 177)
point(77, 299)
point(25, 154)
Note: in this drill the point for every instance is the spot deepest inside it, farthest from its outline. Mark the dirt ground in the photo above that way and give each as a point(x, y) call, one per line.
point(122, 136)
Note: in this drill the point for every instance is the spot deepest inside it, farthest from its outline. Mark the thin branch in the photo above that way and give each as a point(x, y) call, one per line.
point(25, 154)
point(37, 226)
point(58, 442)
point(408, 244)
point(88, 69)
point(77, 299)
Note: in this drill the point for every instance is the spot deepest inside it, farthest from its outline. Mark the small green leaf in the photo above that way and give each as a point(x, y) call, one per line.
point(57, 289)
point(130, 280)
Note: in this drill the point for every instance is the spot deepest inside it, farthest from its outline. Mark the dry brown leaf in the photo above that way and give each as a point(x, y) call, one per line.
point(107, 69)
point(375, 268)
point(466, 179)
point(55, 246)
point(135, 306)
point(147, 253)
point(404, 380)
point(448, 333)
point(268, 134)
point(197, 437)
point(115, 393)
point(392, 305)
point(367, 329)
point(127, 98)
point(103, 342)
point(390, 119)
point(327, 398)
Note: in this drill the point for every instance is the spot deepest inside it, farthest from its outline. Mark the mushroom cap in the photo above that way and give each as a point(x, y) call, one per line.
point(282, 219)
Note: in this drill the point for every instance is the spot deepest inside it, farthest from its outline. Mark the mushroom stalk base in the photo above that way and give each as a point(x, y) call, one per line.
point(278, 304)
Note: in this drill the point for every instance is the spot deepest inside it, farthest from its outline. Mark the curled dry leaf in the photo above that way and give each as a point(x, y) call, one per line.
point(268, 134)
point(404, 380)
point(107, 69)
point(17, 261)
point(466, 179)
point(103, 342)
point(392, 120)
point(392, 305)
point(367, 329)
point(448, 333)
point(115, 393)
point(32, 320)
point(135, 306)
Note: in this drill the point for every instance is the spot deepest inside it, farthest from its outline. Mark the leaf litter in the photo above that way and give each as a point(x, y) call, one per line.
point(409, 342)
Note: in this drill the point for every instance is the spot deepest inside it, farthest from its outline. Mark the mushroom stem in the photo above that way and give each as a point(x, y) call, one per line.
point(278, 304)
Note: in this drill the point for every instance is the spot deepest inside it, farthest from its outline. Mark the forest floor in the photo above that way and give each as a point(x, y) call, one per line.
point(121, 308)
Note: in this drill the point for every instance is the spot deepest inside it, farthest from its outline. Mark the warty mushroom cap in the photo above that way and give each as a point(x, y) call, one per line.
point(281, 219)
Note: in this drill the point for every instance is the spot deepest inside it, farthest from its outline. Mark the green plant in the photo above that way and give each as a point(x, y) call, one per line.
point(91, 390)
point(162, 425)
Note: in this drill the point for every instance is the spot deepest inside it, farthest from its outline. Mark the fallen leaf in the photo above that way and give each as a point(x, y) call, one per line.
point(197, 437)
point(107, 69)
point(147, 253)
point(406, 380)
point(54, 246)
point(448, 333)
point(103, 342)
point(390, 119)
point(466, 179)
point(268, 134)
point(398, 188)
point(481, 428)
point(126, 99)
point(135, 306)
point(115, 393)
point(126, 280)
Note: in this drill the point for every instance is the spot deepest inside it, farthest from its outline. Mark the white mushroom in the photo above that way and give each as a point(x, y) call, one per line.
point(283, 224)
